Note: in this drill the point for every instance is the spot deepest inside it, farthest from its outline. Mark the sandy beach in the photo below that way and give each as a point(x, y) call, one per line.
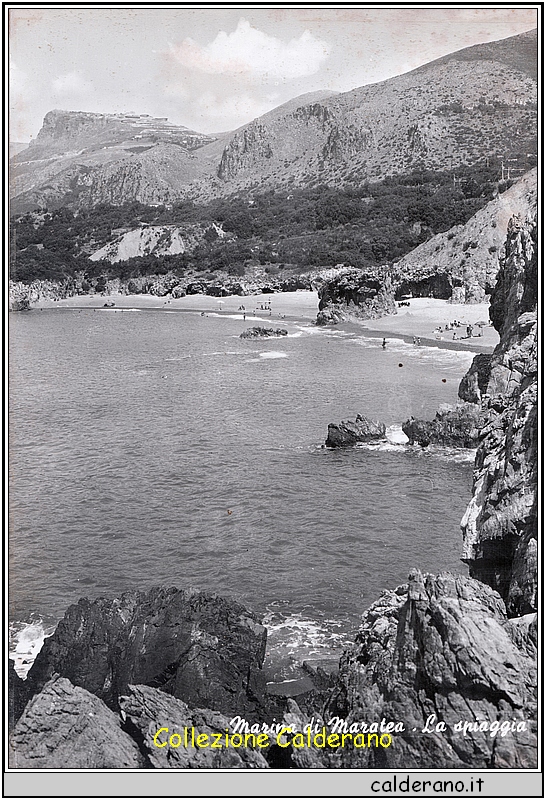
point(420, 320)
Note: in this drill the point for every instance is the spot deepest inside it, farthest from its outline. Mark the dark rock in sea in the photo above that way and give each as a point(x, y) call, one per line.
point(67, 727)
point(440, 648)
point(474, 383)
point(348, 433)
point(146, 710)
point(457, 427)
point(501, 523)
point(260, 333)
point(201, 648)
point(356, 293)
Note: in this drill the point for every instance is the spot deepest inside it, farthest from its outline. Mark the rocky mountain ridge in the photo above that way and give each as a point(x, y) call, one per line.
point(458, 110)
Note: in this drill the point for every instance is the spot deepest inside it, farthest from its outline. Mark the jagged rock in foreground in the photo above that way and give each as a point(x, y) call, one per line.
point(457, 427)
point(348, 433)
point(66, 727)
point(500, 524)
point(355, 293)
point(147, 710)
point(201, 648)
point(262, 333)
point(441, 645)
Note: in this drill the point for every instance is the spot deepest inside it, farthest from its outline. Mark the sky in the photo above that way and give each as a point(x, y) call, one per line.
point(214, 69)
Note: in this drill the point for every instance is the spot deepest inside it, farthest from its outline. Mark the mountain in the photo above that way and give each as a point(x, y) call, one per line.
point(462, 109)
point(457, 110)
point(81, 158)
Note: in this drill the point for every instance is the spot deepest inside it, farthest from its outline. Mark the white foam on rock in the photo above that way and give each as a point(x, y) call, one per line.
point(28, 643)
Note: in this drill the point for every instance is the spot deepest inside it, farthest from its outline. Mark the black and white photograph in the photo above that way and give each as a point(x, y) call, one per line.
point(272, 394)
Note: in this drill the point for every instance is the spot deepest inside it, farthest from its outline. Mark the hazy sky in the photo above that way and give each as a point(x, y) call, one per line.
point(214, 69)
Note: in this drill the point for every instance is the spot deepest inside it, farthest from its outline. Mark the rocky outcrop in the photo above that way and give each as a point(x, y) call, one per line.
point(262, 333)
point(458, 427)
point(356, 293)
point(201, 648)
point(348, 433)
point(500, 524)
point(440, 649)
point(146, 711)
point(67, 727)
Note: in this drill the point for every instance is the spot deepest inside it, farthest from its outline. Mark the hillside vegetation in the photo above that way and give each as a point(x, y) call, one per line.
point(372, 225)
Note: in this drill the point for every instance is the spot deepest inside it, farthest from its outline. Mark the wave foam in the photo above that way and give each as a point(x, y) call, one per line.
point(26, 643)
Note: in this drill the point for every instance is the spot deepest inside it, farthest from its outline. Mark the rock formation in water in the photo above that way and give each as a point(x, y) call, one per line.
point(348, 433)
point(262, 333)
point(458, 427)
point(500, 525)
point(441, 649)
point(21, 304)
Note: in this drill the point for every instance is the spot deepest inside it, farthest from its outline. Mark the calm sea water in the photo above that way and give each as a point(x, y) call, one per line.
point(151, 447)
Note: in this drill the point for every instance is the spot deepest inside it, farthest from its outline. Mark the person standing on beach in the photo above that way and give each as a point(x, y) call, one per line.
point(384, 345)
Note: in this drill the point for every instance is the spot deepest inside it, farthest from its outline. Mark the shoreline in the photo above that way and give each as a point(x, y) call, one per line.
point(420, 321)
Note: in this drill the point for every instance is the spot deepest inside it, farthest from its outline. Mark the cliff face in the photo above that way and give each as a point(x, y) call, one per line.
point(81, 159)
point(500, 525)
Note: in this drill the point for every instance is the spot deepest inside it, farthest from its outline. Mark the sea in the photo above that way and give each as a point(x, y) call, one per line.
point(157, 447)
